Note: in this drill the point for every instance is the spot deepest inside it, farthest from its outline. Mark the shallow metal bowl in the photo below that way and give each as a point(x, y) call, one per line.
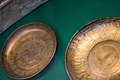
point(94, 51)
point(28, 50)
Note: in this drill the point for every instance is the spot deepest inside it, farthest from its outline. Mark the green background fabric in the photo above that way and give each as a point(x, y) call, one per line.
point(65, 17)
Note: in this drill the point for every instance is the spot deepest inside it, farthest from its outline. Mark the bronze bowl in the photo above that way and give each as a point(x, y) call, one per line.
point(94, 51)
point(28, 50)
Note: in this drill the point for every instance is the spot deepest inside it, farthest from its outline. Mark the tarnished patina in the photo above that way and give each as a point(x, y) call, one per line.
point(13, 10)
point(4, 3)
point(94, 51)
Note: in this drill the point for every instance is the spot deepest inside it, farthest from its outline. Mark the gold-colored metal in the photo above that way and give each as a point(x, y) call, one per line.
point(28, 50)
point(94, 51)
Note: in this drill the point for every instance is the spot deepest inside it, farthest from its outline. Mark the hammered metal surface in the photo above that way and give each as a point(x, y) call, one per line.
point(94, 51)
point(28, 50)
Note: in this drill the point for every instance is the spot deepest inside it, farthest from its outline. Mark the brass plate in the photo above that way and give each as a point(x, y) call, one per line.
point(94, 51)
point(28, 50)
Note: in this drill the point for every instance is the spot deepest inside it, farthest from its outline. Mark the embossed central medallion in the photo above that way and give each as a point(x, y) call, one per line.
point(29, 52)
point(103, 58)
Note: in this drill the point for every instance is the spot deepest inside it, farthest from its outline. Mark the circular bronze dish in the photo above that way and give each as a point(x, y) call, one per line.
point(28, 50)
point(94, 51)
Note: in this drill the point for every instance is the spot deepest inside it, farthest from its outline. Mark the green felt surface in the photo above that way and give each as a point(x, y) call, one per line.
point(65, 17)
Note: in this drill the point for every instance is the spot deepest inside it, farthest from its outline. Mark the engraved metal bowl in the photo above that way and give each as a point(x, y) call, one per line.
point(94, 51)
point(28, 50)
